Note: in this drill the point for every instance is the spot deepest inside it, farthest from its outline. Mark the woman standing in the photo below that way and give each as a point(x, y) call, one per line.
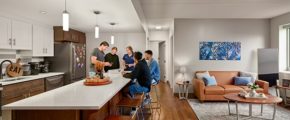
point(128, 59)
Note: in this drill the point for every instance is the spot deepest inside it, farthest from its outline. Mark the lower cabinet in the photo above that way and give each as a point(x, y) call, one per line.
point(14, 92)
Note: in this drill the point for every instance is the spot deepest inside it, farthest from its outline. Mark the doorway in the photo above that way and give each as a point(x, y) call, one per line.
point(162, 60)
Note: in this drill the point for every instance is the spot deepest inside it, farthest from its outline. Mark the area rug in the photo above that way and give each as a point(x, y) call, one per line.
point(219, 111)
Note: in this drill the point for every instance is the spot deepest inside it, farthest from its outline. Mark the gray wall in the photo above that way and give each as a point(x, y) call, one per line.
point(252, 33)
point(122, 40)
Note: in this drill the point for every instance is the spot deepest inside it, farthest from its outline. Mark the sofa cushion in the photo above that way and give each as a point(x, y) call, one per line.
point(209, 80)
point(242, 80)
point(259, 90)
point(214, 90)
point(201, 75)
point(232, 89)
point(224, 77)
point(249, 74)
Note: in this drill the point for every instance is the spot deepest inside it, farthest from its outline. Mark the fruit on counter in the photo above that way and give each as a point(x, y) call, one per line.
point(97, 79)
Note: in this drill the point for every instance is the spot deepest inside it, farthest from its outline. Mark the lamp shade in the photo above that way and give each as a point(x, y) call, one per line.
point(97, 32)
point(65, 21)
point(183, 69)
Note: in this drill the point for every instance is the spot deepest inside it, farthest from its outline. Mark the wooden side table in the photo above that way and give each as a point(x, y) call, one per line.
point(183, 89)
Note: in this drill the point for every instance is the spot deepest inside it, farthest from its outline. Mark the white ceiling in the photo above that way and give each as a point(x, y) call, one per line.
point(81, 13)
point(160, 12)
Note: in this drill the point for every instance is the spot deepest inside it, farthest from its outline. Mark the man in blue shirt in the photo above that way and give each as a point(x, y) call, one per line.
point(153, 66)
point(141, 78)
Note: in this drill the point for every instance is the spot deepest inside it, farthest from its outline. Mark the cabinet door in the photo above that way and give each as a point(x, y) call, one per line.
point(5, 33)
point(74, 36)
point(48, 42)
point(21, 35)
point(82, 38)
point(37, 38)
point(15, 92)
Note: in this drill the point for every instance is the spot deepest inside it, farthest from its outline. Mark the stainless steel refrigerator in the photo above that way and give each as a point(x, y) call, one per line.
point(69, 58)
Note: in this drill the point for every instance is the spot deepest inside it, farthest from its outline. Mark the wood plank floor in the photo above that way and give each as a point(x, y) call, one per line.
point(171, 107)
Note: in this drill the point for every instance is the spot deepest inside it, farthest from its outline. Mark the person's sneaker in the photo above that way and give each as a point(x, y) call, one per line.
point(147, 101)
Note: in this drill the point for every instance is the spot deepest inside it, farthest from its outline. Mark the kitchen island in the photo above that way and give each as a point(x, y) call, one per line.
point(71, 102)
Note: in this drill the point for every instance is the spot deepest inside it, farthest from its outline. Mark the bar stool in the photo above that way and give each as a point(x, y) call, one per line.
point(137, 103)
point(157, 101)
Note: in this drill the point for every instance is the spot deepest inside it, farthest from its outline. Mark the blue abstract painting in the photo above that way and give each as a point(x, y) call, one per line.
point(220, 50)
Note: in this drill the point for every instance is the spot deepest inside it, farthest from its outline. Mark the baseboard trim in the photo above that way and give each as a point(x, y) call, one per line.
point(190, 95)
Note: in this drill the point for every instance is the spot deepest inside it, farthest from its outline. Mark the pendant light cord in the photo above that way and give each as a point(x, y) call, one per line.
point(65, 5)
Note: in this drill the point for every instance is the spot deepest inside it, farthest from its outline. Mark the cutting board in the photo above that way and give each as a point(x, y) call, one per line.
point(14, 69)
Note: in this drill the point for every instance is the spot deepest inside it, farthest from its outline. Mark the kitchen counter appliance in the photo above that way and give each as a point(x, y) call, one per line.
point(26, 69)
point(34, 66)
point(44, 67)
point(69, 58)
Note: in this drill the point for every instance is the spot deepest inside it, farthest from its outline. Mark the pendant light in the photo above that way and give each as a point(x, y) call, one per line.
point(65, 18)
point(112, 36)
point(97, 28)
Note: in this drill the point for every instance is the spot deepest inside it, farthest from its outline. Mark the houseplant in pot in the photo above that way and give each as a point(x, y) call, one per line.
point(253, 88)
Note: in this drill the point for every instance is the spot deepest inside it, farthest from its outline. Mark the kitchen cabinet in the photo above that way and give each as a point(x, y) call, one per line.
point(15, 34)
point(82, 38)
point(42, 41)
point(68, 36)
point(5, 33)
point(14, 92)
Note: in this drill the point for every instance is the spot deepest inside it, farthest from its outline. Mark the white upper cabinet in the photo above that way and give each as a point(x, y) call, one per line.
point(21, 35)
point(42, 41)
point(15, 34)
point(5, 33)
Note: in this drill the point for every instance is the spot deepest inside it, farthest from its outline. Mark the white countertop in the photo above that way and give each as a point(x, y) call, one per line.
point(74, 96)
point(31, 77)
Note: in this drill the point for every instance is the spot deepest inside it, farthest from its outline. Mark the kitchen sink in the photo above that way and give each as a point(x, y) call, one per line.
point(13, 79)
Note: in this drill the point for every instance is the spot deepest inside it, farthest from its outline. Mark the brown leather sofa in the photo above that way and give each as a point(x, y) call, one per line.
point(225, 81)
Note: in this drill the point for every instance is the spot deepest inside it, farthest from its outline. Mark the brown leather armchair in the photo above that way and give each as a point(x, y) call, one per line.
point(225, 85)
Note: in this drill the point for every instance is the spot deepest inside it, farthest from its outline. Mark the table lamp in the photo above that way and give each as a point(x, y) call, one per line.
point(183, 71)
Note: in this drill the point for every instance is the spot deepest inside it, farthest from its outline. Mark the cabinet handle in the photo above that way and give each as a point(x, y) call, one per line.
point(43, 50)
point(28, 94)
point(10, 41)
point(14, 41)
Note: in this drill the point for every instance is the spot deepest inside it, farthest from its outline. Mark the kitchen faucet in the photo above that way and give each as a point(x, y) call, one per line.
point(1, 75)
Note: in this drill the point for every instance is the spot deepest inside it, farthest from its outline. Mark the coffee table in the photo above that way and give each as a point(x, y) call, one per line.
point(237, 99)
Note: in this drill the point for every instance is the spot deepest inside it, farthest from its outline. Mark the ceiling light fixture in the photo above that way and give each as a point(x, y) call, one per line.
point(43, 12)
point(112, 36)
point(97, 28)
point(158, 27)
point(65, 18)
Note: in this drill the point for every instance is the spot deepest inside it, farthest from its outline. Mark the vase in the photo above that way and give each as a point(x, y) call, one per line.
point(252, 93)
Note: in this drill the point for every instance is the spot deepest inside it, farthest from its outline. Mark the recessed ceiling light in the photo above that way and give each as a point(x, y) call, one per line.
point(43, 12)
point(158, 27)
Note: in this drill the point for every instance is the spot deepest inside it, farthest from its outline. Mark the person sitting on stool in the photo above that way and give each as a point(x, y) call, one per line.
point(140, 76)
point(153, 66)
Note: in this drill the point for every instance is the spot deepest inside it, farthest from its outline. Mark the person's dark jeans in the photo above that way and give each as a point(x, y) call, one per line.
point(136, 88)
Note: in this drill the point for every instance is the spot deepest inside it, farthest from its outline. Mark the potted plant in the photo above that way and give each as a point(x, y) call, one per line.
point(253, 88)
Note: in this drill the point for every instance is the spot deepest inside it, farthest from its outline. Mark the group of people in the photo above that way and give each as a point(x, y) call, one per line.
point(145, 70)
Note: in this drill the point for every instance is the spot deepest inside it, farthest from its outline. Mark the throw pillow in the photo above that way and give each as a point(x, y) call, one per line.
point(249, 74)
point(201, 75)
point(209, 80)
point(242, 80)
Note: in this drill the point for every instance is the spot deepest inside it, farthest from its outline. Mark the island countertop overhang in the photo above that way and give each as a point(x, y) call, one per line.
point(75, 96)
